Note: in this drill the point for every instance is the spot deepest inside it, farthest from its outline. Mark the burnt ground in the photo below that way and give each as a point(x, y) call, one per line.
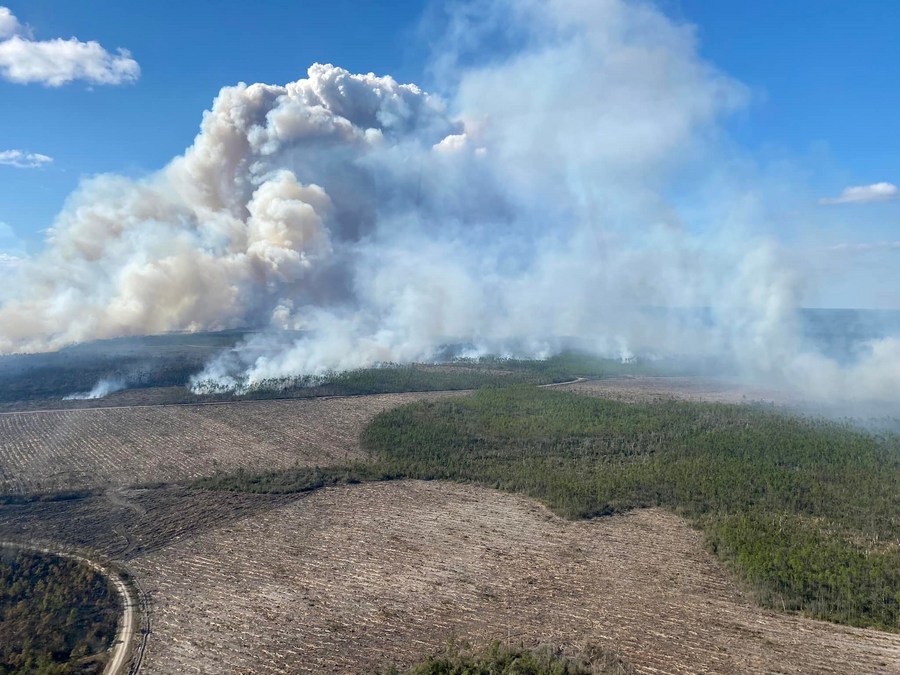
point(348, 579)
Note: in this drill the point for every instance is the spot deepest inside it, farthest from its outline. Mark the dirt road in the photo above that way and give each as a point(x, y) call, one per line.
point(121, 654)
point(121, 649)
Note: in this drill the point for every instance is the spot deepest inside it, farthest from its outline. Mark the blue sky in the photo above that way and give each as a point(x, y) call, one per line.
point(187, 51)
point(822, 76)
point(822, 71)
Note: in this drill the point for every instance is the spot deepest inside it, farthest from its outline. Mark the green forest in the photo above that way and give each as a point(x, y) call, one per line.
point(57, 615)
point(806, 511)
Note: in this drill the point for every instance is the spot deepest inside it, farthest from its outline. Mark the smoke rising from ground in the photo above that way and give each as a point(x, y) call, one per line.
point(102, 389)
point(541, 195)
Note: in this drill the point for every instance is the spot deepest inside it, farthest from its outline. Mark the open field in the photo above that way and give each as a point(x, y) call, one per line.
point(351, 578)
point(347, 579)
point(683, 388)
point(78, 449)
point(804, 509)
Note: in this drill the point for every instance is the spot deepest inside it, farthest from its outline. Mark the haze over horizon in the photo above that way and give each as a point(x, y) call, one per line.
point(568, 164)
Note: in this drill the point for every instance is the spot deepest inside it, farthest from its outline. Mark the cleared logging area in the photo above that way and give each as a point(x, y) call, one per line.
point(805, 510)
point(76, 449)
point(684, 388)
point(349, 579)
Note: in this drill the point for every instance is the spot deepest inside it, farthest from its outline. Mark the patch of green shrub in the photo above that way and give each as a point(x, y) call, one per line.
point(499, 659)
point(806, 511)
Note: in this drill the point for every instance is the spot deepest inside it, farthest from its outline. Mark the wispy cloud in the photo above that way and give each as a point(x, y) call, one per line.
point(864, 194)
point(866, 247)
point(53, 63)
point(12, 248)
point(23, 160)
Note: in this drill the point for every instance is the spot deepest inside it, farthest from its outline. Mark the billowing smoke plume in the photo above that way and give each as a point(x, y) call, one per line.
point(550, 191)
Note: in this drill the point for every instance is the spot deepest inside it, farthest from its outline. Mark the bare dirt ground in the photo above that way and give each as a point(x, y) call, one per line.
point(699, 389)
point(349, 579)
point(75, 449)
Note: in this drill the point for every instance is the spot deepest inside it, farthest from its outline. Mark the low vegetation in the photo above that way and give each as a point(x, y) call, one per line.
point(456, 374)
point(161, 369)
point(296, 479)
point(500, 659)
point(806, 511)
point(57, 615)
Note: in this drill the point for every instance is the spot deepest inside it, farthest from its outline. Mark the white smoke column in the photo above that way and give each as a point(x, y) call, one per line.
point(545, 194)
point(227, 231)
point(102, 389)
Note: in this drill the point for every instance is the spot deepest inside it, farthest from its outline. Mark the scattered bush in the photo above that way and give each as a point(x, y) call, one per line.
point(500, 659)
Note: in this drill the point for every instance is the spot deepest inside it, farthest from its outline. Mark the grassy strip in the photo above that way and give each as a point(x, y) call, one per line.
point(500, 659)
point(294, 480)
point(16, 499)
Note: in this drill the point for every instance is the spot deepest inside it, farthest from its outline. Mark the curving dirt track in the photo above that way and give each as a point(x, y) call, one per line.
point(85, 448)
point(349, 579)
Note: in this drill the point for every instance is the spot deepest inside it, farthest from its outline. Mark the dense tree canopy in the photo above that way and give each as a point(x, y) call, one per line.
point(56, 614)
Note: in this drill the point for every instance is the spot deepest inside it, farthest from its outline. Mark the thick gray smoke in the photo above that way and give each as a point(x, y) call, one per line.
point(548, 192)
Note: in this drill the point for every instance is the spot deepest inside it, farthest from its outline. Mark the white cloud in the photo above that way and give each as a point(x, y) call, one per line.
point(57, 62)
point(866, 247)
point(23, 160)
point(9, 24)
point(7, 260)
point(864, 194)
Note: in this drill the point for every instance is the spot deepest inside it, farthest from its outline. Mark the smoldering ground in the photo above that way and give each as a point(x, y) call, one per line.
point(547, 190)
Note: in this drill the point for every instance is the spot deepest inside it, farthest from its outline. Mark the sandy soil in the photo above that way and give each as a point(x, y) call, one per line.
point(349, 579)
point(74, 449)
point(700, 389)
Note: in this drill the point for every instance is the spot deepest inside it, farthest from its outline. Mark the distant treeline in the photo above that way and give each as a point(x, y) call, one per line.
point(458, 374)
point(56, 614)
point(171, 361)
point(154, 361)
point(806, 511)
